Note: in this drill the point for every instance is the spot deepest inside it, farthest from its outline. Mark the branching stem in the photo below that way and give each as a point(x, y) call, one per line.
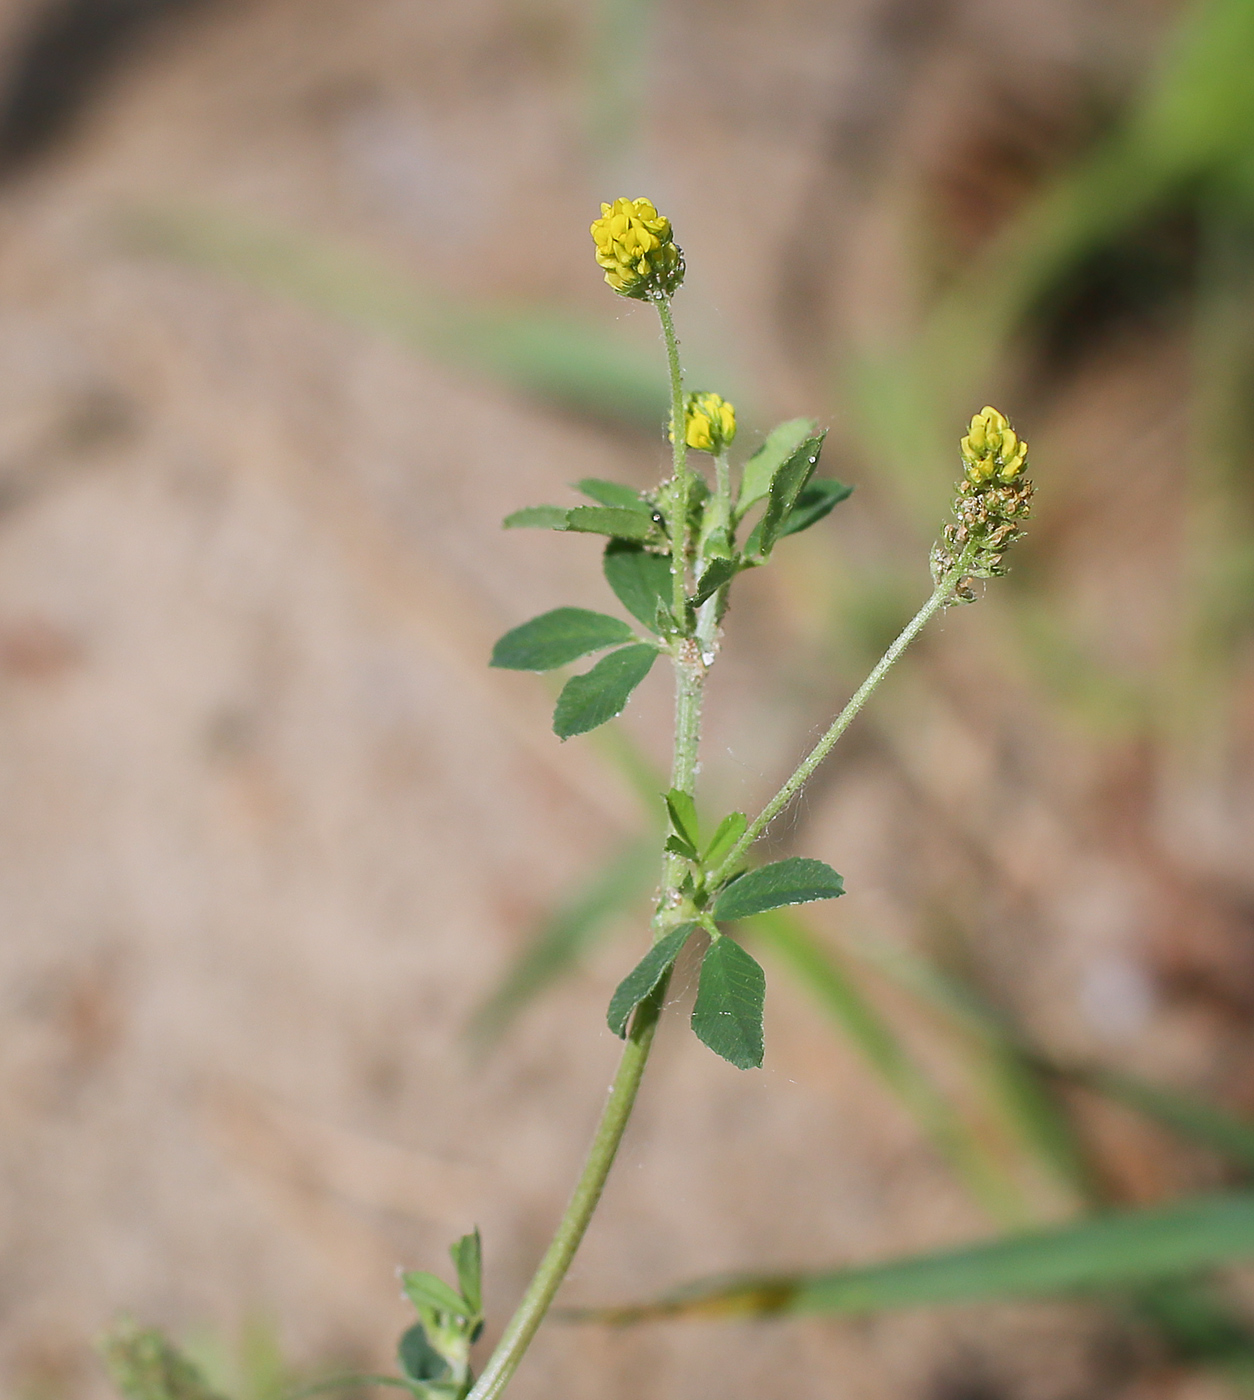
point(941, 595)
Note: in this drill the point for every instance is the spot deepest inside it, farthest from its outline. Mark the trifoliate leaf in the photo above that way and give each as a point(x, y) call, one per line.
point(796, 880)
point(644, 977)
point(728, 1011)
point(557, 637)
point(640, 579)
point(597, 696)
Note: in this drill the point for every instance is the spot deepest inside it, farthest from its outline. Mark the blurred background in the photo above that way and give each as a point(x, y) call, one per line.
point(310, 922)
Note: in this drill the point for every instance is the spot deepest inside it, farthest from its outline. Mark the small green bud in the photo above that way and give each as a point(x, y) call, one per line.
point(637, 249)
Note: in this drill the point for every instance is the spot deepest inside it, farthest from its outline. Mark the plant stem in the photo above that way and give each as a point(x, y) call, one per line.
point(679, 456)
point(557, 1258)
point(941, 595)
point(689, 686)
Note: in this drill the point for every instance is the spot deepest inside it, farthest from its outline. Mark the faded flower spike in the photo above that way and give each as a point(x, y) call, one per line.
point(636, 248)
point(993, 498)
point(709, 422)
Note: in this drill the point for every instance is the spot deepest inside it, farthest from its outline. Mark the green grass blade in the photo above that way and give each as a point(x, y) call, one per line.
point(1011, 1069)
point(821, 974)
point(561, 358)
point(1190, 1118)
point(1114, 1251)
point(558, 944)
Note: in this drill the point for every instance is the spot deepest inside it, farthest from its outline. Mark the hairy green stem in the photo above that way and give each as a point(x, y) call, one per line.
point(557, 1258)
point(941, 595)
point(689, 687)
point(679, 455)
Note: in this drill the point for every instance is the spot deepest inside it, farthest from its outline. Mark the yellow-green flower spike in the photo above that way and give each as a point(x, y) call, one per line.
point(993, 498)
point(709, 422)
point(636, 248)
point(992, 449)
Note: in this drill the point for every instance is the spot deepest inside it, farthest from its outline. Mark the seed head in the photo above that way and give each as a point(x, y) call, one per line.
point(993, 498)
point(709, 422)
point(636, 248)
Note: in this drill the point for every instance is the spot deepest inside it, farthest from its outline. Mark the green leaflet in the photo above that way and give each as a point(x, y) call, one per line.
point(640, 579)
point(417, 1358)
point(781, 442)
point(612, 520)
point(620, 522)
point(797, 880)
point(467, 1256)
point(786, 488)
point(682, 811)
point(815, 502)
point(641, 981)
point(426, 1290)
point(719, 572)
point(600, 694)
point(729, 831)
point(728, 1012)
point(611, 493)
point(557, 637)
point(1121, 1249)
point(536, 518)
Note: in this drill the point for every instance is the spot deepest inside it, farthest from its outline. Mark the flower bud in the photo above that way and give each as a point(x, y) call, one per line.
point(709, 422)
point(636, 248)
point(991, 449)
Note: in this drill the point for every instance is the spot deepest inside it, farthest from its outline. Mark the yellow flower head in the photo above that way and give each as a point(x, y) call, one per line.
point(636, 248)
point(994, 500)
point(991, 449)
point(709, 422)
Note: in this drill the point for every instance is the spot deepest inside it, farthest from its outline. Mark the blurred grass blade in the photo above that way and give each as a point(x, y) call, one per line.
point(560, 358)
point(1193, 1119)
point(1023, 1074)
point(559, 943)
point(1013, 1071)
point(818, 970)
point(1105, 1252)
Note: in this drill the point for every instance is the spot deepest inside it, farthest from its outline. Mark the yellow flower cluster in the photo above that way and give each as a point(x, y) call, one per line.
point(709, 422)
point(994, 499)
point(992, 449)
point(636, 248)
